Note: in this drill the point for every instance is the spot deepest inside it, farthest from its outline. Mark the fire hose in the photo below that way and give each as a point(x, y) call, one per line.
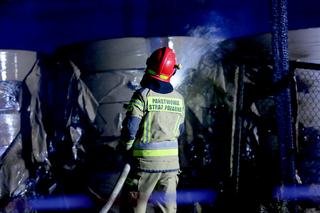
point(117, 188)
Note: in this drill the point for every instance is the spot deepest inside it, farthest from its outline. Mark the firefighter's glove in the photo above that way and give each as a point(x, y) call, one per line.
point(124, 150)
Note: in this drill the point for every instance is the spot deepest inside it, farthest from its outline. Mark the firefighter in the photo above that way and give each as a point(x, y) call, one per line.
point(153, 123)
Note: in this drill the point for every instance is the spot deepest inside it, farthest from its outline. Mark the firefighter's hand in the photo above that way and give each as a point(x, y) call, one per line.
point(124, 151)
point(121, 148)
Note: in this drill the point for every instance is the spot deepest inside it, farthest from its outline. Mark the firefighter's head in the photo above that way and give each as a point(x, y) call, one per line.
point(161, 65)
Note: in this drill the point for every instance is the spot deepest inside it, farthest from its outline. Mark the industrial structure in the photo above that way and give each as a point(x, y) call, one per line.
point(252, 121)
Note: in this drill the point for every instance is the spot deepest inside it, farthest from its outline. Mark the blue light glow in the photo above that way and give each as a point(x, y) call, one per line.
point(300, 192)
point(187, 196)
point(61, 202)
point(196, 195)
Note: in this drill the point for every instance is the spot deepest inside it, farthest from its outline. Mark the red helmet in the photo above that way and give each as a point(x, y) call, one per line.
point(161, 64)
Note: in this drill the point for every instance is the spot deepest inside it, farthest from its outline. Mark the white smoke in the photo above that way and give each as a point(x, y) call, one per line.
point(210, 33)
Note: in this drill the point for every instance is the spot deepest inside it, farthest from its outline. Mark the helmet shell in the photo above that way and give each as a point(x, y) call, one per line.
point(161, 64)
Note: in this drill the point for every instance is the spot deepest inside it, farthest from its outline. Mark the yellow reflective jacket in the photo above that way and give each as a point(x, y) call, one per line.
point(153, 123)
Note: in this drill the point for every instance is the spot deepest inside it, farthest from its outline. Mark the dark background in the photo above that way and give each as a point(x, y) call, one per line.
point(44, 25)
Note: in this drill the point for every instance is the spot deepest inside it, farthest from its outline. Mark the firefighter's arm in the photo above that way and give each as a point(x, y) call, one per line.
point(130, 125)
point(182, 126)
point(129, 131)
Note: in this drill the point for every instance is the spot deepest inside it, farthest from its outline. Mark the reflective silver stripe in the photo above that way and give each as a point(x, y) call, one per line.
point(146, 128)
point(137, 103)
point(157, 145)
